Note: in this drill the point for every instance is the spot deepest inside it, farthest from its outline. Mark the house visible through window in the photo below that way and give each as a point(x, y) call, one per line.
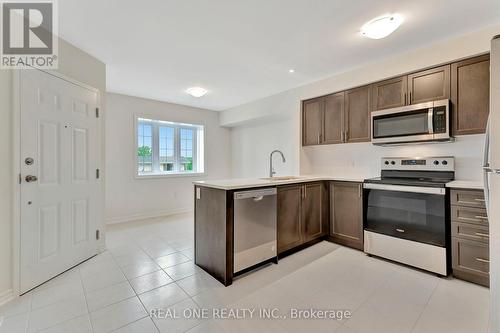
point(168, 148)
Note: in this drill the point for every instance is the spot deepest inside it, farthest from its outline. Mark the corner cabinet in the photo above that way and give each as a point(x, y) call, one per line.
point(302, 214)
point(346, 214)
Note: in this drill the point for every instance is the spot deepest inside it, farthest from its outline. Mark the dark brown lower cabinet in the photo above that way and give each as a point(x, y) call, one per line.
point(346, 214)
point(289, 208)
point(470, 257)
point(302, 214)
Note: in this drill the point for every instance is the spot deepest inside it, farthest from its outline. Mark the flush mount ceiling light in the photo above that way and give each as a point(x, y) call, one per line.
point(291, 70)
point(382, 26)
point(197, 91)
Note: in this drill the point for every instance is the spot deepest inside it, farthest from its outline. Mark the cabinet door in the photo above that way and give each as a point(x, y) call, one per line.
point(389, 93)
point(429, 85)
point(357, 114)
point(289, 217)
point(311, 121)
point(470, 95)
point(346, 214)
point(333, 118)
point(312, 211)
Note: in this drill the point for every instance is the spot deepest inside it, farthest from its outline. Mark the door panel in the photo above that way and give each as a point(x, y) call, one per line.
point(357, 114)
point(311, 121)
point(49, 138)
point(429, 85)
point(346, 214)
point(333, 118)
point(389, 93)
point(62, 208)
point(313, 207)
point(470, 95)
point(289, 217)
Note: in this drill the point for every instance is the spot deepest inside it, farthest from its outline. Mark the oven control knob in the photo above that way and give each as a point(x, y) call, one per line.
point(392, 162)
point(436, 162)
point(386, 162)
point(445, 162)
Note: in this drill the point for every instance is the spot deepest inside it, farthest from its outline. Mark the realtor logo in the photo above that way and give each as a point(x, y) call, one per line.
point(29, 34)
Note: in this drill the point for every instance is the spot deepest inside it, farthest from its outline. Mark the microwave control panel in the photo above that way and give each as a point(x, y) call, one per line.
point(439, 121)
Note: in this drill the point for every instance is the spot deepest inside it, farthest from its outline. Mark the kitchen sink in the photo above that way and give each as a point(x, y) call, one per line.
point(281, 178)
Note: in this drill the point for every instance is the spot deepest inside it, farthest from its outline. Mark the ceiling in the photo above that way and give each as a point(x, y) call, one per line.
point(241, 50)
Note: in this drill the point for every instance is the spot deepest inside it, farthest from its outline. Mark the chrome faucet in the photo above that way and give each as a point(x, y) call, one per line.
point(271, 168)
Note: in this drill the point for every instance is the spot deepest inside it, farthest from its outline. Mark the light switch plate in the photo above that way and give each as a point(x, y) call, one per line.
point(198, 193)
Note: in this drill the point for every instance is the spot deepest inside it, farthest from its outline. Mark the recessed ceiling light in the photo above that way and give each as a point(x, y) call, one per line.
point(197, 91)
point(291, 70)
point(382, 26)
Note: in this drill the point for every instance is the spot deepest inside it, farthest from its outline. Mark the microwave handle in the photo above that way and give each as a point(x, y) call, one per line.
point(430, 120)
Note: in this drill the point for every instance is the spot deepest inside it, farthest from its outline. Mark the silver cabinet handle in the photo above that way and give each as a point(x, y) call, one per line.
point(480, 200)
point(258, 198)
point(480, 234)
point(481, 217)
point(400, 230)
point(483, 260)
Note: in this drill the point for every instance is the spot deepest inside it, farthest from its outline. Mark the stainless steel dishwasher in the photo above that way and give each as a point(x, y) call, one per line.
point(254, 227)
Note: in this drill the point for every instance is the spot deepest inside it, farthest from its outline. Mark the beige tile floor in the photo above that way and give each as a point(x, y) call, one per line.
point(149, 265)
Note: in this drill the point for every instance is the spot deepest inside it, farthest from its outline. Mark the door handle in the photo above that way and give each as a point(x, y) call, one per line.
point(30, 178)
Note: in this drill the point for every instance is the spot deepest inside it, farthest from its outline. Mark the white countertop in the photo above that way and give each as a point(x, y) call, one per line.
point(466, 184)
point(234, 184)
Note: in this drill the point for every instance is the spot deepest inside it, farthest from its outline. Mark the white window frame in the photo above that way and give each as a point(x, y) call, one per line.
point(198, 152)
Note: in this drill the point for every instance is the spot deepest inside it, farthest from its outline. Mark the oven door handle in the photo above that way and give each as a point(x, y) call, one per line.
point(403, 188)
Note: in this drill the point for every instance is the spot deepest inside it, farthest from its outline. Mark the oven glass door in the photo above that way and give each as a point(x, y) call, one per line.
point(402, 124)
point(418, 217)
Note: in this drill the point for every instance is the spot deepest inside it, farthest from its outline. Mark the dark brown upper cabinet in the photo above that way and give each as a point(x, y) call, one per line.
point(346, 214)
point(389, 93)
point(333, 118)
point(429, 85)
point(357, 115)
point(470, 95)
point(312, 115)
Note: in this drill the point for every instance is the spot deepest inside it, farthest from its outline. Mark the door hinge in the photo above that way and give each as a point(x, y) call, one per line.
point(97, 112)
point(97, 234)
point(97, 173)
point(20, 179)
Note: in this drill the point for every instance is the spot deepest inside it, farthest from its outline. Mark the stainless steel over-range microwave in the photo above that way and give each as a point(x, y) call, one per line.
point(412, 123)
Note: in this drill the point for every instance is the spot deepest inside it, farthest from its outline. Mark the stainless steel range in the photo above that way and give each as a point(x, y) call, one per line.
point(406, 218)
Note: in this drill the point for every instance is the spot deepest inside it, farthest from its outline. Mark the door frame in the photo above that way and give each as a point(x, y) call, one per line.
point(16, 167)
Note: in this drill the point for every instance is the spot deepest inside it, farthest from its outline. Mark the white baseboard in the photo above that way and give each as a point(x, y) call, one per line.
point(6, 296)
point(149, 215)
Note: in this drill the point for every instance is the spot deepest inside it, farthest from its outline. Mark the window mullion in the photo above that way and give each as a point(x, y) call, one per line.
point(177, 154)
point(154, 147)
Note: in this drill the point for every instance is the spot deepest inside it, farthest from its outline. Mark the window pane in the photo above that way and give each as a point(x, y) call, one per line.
point(186, 145)
point(144, 148)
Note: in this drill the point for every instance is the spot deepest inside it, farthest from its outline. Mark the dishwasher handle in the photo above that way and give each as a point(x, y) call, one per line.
point(256, 195)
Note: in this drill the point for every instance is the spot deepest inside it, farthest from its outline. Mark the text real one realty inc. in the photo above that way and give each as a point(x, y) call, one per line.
point(248, 313)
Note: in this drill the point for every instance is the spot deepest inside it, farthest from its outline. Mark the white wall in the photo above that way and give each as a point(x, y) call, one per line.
point(277, 118)
point(130, 198)
point(73, 63)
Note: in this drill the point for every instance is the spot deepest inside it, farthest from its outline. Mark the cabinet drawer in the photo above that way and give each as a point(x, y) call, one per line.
point(470, 231)
point(470, 256)
point(469, 215)
point(468, 198)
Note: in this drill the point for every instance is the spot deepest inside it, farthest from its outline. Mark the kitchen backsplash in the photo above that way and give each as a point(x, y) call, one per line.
point(363, 159)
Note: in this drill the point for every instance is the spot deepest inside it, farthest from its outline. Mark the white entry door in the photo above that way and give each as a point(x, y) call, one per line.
point(60, 191)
